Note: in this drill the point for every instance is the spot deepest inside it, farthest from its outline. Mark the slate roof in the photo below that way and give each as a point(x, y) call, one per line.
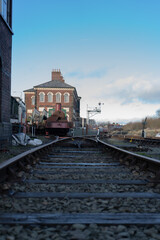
point(54, 84)
point(50, 84)
point(29, 90)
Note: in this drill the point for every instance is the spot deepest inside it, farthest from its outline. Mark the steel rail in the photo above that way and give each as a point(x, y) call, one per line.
point(8, 164)
point(121, 152)
point(135, 155)
point(24, 154)
point(43, 218)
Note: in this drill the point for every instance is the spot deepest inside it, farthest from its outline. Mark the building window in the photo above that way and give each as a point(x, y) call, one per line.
point(50, 97)
point(41, 109)
point(50, 111)
point(42, 97)
point(29, 111)
point(66, 109)
point(5, 10)
point(33, 100)
point(66, 97)
point(58, 97)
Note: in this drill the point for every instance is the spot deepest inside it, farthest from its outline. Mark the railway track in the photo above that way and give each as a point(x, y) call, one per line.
point(155, 142)
point(80, 189)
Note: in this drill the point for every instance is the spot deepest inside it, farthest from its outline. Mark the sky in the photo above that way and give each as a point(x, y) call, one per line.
point(108, 49)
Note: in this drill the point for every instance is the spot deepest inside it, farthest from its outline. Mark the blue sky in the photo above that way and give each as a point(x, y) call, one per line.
point(108, 49)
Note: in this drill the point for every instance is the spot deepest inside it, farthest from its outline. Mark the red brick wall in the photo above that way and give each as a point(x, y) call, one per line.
point(28, 102)
point(47, 104)
point(5, 83)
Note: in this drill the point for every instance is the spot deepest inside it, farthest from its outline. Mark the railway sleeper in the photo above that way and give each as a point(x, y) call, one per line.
point(106, 218)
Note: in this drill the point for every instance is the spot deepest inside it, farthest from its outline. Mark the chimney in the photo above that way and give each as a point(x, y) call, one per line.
point(56, 75)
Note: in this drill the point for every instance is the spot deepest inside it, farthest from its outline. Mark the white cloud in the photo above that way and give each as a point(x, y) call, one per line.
point(132, 97)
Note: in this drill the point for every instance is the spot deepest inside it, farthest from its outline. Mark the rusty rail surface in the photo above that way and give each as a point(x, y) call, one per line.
point(135, 155)
point(133, 158)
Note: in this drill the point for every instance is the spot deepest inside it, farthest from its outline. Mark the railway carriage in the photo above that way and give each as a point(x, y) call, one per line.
point(58, 124)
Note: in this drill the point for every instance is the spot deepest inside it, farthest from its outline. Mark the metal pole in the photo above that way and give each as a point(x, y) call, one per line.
point(87, 120)
point(87, 115)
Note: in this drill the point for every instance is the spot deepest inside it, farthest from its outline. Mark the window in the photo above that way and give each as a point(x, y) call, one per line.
point(5, 10)
point(66, 97)
point(50, 111)
point(42, 97)
point(58, 97)
point(50, 97)
point(33, 100)
point(29, 111)
point(41, 109)
point(66, 109)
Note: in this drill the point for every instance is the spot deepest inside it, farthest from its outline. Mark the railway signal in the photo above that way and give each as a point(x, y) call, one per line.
point(93, 111)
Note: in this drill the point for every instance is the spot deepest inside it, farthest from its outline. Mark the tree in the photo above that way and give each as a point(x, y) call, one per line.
point(158, 113)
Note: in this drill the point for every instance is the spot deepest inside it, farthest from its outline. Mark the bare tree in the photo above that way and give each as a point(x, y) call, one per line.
point(158, 113)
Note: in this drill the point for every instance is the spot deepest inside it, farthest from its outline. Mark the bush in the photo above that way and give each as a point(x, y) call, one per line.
point(152, 123)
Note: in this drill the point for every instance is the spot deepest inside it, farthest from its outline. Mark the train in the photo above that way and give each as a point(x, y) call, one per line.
point(57, 124)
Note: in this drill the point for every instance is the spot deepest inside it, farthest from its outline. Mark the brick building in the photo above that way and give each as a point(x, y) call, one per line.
point(46, 95)
point(5, 69)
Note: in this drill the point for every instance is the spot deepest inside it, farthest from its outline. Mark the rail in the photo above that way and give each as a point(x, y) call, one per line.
point(145, 162)
point(148, 159)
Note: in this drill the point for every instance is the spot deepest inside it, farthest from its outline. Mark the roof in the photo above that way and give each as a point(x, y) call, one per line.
point(54, 84)
point(29, 90)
